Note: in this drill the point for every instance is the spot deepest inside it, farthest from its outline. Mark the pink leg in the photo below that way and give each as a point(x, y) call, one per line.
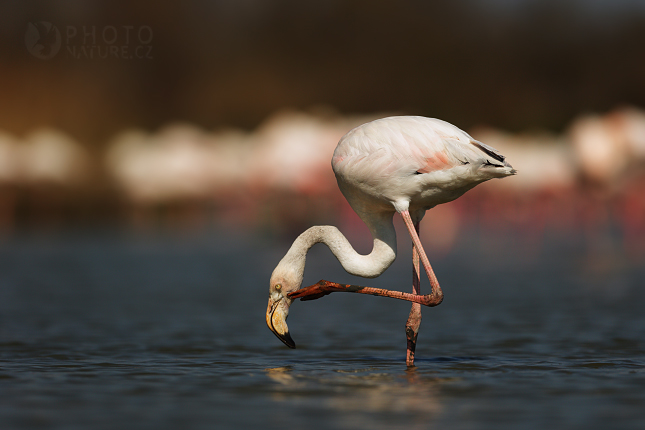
point(414, 320)
point(436, 289)
point(322, 288)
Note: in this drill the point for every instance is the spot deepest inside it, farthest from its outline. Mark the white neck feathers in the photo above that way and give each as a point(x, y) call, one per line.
point(367, 266)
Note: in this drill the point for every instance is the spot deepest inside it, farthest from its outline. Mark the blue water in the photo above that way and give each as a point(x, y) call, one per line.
point(105, 331)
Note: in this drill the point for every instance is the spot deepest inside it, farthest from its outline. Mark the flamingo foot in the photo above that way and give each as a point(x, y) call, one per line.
point(318, 290)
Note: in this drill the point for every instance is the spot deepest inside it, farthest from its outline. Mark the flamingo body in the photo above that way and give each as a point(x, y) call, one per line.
point(404, 164)
point(411, 162)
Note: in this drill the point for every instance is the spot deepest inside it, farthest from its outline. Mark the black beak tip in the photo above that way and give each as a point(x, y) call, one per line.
point(286, 339)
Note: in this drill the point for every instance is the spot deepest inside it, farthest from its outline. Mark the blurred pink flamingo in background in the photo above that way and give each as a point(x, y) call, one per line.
point(402, 164)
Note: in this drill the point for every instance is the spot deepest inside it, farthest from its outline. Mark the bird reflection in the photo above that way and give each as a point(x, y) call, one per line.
point(352, 394)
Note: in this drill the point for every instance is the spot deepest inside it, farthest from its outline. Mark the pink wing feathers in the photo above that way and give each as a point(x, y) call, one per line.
point(402, 162)
point(406, 145)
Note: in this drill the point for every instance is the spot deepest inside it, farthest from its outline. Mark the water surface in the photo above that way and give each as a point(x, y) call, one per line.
point(107, 331)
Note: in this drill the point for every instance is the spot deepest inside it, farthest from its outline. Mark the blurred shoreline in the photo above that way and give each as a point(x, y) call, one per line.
point(277, 181)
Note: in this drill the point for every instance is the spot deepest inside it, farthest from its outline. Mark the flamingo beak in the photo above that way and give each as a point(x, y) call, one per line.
point(277, 313)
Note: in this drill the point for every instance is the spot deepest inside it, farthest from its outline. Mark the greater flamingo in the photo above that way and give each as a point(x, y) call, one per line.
point(404, 164)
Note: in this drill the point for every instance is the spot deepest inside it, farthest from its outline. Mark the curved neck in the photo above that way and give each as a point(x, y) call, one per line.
point(367, 266)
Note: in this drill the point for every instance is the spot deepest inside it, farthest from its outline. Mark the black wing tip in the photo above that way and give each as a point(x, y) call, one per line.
point(492, 152)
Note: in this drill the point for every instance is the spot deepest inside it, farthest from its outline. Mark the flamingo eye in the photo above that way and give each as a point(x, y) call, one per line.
point(278, 287)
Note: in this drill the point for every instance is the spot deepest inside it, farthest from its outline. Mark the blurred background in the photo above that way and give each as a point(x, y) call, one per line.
point(157, 159)
point(224, 114)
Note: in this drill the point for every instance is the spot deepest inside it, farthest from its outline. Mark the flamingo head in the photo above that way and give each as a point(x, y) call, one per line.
point(282, 283)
